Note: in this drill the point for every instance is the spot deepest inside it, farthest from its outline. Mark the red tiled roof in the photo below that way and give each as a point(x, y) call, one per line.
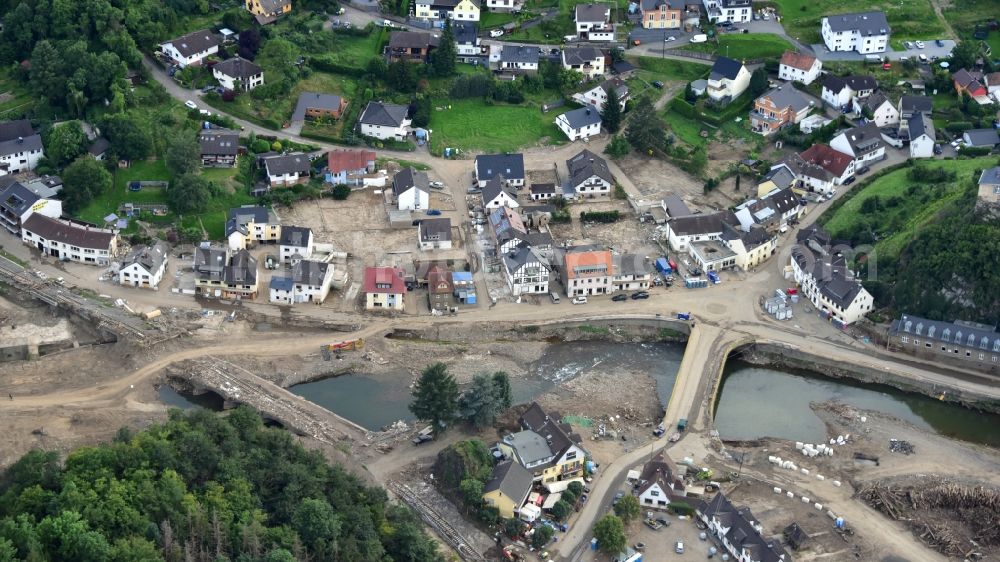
point(384, 280)
point(827, 158)
point(341, 160)
point(439, 280)
point(587, 259)
point(800, 61)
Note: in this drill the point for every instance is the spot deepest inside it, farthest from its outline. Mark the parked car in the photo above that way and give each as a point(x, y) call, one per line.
point(620, 298)
point(618, 498)
point(919, 44)
point(850, 180)
point(938, 149)
point(496, 33)
point(657, 84)
point(863, 170)
point(579, 300)
point(640, 295)
point(437, 184)
point(190, 105)
point(939, 42)
point(923, 58)
point(679, 547)
point(670, 38)
point(908, 44)
point(433, 212)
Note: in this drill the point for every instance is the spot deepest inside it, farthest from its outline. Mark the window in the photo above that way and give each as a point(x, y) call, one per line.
point(928, 344)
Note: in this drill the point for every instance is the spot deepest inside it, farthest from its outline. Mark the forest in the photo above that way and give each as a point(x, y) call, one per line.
point(200, 487)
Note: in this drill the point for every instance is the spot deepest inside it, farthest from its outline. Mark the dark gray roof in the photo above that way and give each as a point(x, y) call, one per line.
point(783, 201)
point(521, 255)
point(494, 187)
point(287, 164)
point(149, 258)
point(512, 479)
point(465, 32)
point(220, 142)
point(408, 178)
point(965, 334)
point(581, 55)
point(990, 176)
point(542, 188)
point(297, 236)
point(585, 165)
point(194, 42)
point(519, 54)
point(702, 224)
point(867, 23)
point(535, 417)
point(725, 67)
point(864, 139)
point(238, 67)
point(314, 100)
point(908, 104)
point(787, 96)
point(582, 117)
point(510, 166)
point(15, 199)
point(45, 187)
point(781, 176)
point(648, 5)
point(982, 137)
point(675, 206)
point(856, 83)
point(621, 88)
point(99, 146)
point(308, 272)
point(592, 13)
point(830, 271)
point(248, 213)
point(920, 124)
point(874, 101)
point(743, 534)
point(632, 264)
point(72, 233)
point(242, 269)
point(435, 229)
point(385, 114)
point(281, 283)
point(413, 40)
point(18, 136)
point(209, 263)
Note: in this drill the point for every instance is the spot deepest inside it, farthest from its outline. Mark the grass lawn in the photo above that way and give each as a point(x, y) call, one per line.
point(356, 51)
point(15, 100)
point(686, 130)
point(901, 222)
point(494, 19)
point(669, 69)
point(963, 15)
point(745, 46)
point(472, 125)
point(279, 111)
point(909, 19)
point(403, 163)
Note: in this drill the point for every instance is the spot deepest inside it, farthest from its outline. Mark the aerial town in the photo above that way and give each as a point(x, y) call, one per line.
point(500, 280)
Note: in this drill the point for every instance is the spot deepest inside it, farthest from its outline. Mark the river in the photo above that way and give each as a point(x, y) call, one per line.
point(757, 402)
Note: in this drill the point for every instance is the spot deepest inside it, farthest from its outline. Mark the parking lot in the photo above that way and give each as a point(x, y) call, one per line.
point(931, 50)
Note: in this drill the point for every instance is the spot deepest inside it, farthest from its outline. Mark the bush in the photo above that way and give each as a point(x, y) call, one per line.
point(681, 508)
point(958, 126)
point(599, 216)
point(543, 534)
point(340, 192)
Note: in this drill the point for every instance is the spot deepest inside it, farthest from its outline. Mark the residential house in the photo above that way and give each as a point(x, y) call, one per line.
point(877, 109)
point(384, 121)
point(518, 59)
point(505, 6)
point(988, 194)
point(864, 143)
point(191, 49)
point(683, 231)
point(411, 190)
point(978, 345)
point(980, 138)
point(663, 14)
point(969, 82)
point(384, 288)
point(527, 271)
point(434, 234)
point(251, 223)
point(598, 95)
point(658, 482)
point(311, 281)
point(728, 80)
point(69, 240)
point(589, 175)
point(581, 123)
point(439, 288)
point(542, 191)
point(799, 67)
point(287, 169)
point(823, 275)
point(585, 60)
point(209, 270)
point(735, 11)
point(312, 106)
point(839, 91)
point(219, 147)
point(18, 202)
point(674, 206)
point(509, 230)
point(593, 22)
point(739, 532)
point(632, 272)
point(349, 167)
point(508, 488)
point(238, 74)
point(281, 290)
point(144, 266)
point(993, 84)
point(467, 41)
point(813, 122)
point(864, 32)
point(97, 149)
point(750, 246)
point(777, 178)
point(773, 210)
point(414, 46)
point(440, 10)
point(911, 105)
point(44, 187)
point(808, 175)
point(464, 287)
point(587, 271)
point(239, 277)
point(295, 244)
point(781, 107)
point(922, 136)
point(496, 194)
point(20, 147)
point(268, 11)
point(837, 164)
point(545, 447)
point(510, 167)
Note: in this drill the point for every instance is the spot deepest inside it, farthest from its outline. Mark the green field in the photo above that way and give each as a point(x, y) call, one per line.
point(472, 125)
point(898, 223)
point(670, 69)
point(276, 113)
point(741, 46)
point(356, 51)
point(15, 99)
point(963, 15)
point(488, 20)
point(909, 19)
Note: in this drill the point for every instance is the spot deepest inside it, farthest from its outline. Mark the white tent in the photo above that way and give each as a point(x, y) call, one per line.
point(551, 500)
point(633, 475)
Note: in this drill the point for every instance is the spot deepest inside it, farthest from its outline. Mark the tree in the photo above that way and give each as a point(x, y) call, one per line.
point(543, 534)
point(65, 142)
point(472, 492)
point(627, 508)
point(645, 128)
point(485, 399)
point(965, 53)
point(689, 94)
point(502, 394)
point(610, 533)
point(128, 140)
point(377, 68)
point(617, 147)
point(278, 57)
point(46, 76)
point(758, 82)
point(340, 191)
point(576, 487)
point(569, 80)
point(189, 193)
point(612, 114)
point(317, 524)
point(183, 154)
point(435, 397)
point(444, 55)
point(399, 76)
point(561, 510)
point(83, 180)
point(249, 43)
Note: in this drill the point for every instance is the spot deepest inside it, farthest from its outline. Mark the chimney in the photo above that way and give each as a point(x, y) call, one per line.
point(20, 140)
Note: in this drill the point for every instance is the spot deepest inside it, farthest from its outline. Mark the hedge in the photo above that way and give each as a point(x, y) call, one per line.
point(599, 216)
point(327, 65)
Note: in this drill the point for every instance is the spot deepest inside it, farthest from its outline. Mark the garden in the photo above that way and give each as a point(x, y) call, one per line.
point(471, 124)
point(744, 46)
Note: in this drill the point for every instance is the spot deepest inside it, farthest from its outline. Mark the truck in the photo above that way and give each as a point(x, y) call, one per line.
point(663, 266)
point(673, 264)
point(699, 38)
point(426, 434)
point(683, 315)
point(714, 277)
point(682, 424)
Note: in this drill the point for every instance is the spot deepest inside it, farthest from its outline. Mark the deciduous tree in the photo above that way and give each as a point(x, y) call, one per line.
point(189, 193)
point(183, 154)
point(83, 180)
point(627, 508)
point(65, 142)
point(610, 534)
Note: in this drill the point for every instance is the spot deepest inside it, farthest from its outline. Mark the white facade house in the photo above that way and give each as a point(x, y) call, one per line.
point(508, 167)
point(682, 231)
point(883, 112)
point(18, 202)
point(296, 244)
point(585, 60)
point(287, 169)
point(384, 121)
point(840, 91)
point(69, 241)
point(191, 49)
point(864, 32)
point(20, 147)
point(826, 280)
point(921, 130)
point(434, 234)
point(589, 175)
point(728, 80)
point(598, 95)
point(593, 22)
point(527, 271)
point(505, 5)
point(739, 532)
point(238, 74)
point(144, 266)
point(581, 123)
point(310, 281)
point(411, 189)
point(864, 143)
point(799, 67)
point(735, 11)
point(496, 195)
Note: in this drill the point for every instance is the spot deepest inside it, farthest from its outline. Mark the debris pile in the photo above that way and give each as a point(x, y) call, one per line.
point(899, 446)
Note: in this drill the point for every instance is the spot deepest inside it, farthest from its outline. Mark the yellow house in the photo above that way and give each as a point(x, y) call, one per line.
point(545, 447)
point(779, 177)
point(458, 10)
point(249, 224)
point(508, 488)
point(267, 11)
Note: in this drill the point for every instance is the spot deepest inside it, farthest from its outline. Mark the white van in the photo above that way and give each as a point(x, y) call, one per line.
point(555, 297)
point(700, 38)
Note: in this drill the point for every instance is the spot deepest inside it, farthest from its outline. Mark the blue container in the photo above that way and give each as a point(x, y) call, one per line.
point(593, 544)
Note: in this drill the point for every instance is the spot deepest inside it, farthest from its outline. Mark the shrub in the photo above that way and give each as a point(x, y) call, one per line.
point(599, 216)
